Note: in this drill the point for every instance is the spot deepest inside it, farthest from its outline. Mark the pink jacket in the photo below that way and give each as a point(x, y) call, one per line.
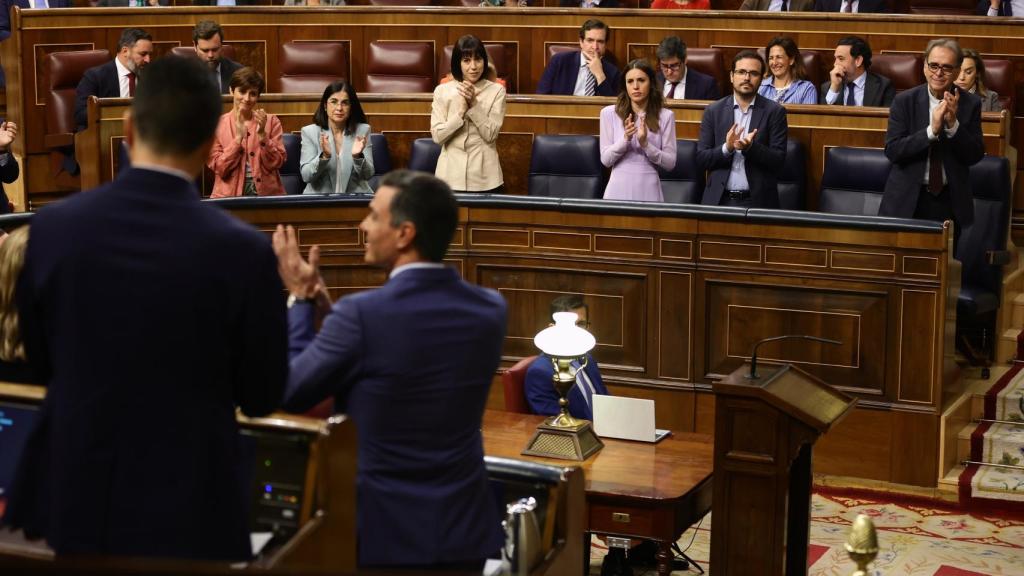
point(266, 158)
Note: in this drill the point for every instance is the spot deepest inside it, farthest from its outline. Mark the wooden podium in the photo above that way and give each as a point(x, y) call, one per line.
point(764, 430)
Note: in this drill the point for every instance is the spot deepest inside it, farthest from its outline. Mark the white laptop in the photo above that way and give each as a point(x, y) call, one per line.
point(625, 418)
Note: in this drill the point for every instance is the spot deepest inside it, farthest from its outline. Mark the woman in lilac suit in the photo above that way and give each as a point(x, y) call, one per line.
point(638, 136)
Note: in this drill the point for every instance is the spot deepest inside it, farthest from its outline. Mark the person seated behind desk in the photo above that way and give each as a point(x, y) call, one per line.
point(539, 388)
point(972, 79)
point(337, 156)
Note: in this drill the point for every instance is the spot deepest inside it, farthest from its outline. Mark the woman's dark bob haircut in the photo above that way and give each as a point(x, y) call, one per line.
point(467, 47)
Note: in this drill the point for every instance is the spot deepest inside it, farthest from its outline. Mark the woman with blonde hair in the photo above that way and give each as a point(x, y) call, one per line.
point(638, 136)
point(13, 364)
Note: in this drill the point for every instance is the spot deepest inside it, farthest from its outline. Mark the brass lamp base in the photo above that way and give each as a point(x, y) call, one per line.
point(574, 442)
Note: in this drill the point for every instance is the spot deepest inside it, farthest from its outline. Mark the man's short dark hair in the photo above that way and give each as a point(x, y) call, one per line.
point(567, 303)
point(429, 204)
point(176, 109)
point(745, 54)
point(129, 36)
point(671, 47)
point(205, 30)
point(593, 24)
point(858, 47)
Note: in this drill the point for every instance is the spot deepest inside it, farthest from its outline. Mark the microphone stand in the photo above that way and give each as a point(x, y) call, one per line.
point(753, 375)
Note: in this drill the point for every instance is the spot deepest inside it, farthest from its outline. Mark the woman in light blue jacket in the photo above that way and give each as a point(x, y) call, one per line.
point(337, 157)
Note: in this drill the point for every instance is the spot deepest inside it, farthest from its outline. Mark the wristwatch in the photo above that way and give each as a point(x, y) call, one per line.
point(293, 300)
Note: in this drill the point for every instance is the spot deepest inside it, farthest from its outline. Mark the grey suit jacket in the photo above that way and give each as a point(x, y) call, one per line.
point(320, 175)
point(762, 5)
point(878, 91)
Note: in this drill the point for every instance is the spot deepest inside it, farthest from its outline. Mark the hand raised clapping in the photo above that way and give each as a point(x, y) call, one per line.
point(641, 130)
point(630, 127)
point(358, 144)
point(325, 146)
point(736, 140)
point(260, 116)
point(8, 132)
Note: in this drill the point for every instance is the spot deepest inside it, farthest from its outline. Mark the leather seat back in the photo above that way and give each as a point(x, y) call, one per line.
point(424, 154)
point(990, 184)
point(308, 67)
point(904, 70)
point(684, 184)
point(290, 176)
point(63, 71)
point(793, 180)
point(566, 166)
point(710, 61)
point(854, 180)
point(999, 77)
point(400, 67)
point(381, 158)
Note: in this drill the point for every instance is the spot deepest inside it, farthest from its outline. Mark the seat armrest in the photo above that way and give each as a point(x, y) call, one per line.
point(61, 140)
point(998, 257)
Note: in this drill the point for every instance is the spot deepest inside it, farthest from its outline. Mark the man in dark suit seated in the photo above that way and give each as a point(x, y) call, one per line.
point(934, 137)
point(678, 81)
point(411, 362)
point(589, 3)
point(852, 6)
point(583, 72)
point(1000, 7)
point(150, 316)
point(850, 83)
point(117, 78)
point(742, 141)
point(778, 5)
point(131, 3)
point(9, 169)
point(538, 387)
point(208, 40)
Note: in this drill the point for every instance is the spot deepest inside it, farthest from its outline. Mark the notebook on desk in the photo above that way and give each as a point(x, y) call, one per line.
point(625, 418)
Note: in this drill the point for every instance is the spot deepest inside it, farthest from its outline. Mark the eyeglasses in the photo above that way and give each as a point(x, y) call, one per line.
point(338, 103)
point(671, 67)
point(747, 73)
point(944, 69)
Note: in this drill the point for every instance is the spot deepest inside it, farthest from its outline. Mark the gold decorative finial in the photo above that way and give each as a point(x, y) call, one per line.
point(862, 545)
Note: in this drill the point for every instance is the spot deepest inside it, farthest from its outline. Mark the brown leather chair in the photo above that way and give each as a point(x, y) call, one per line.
point(943, 7)
point(62, 72)
point(496, 53)
point(226, 51)
point(552, 48)
point(999, 77)
point(710, 61)
point(308, 67)
point(400, 67)
point(513, 382)
point(904, 70)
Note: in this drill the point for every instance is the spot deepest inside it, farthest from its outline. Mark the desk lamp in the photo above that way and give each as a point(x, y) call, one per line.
point(563, 436)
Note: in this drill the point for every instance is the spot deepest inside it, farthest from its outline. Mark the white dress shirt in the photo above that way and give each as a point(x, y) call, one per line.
point(858, 92)
point(122, 78)
point(680, 89)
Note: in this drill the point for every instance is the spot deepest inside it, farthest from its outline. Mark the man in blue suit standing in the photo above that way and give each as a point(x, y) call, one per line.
point(538, 387)
point(583, 72)
point(150, 316)
point(411, 362)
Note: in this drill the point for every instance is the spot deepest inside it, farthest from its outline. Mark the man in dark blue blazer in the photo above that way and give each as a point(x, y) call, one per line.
point(583, 72)
point(5, 18)
point(850, 83)
point(150, 316)
point(9, 169)
point(411, 362)
point(934, 137)
point(853, 6)
point(538, 387)
point(208, 41)
point(679, 81)
point(742, 141)
point(117, 78)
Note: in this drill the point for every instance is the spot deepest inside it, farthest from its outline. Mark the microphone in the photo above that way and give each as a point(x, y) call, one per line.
point(753, 375)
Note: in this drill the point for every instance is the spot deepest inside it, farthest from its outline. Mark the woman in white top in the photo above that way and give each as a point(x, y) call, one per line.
point(786, 82)
point(465, 119)
point(337, 157)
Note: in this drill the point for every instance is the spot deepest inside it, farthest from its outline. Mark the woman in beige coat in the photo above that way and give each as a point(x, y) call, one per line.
point(465, 119)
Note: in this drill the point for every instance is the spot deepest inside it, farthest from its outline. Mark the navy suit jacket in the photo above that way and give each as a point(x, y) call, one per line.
point(99, 81)
point(699, 86)
point(563, 69)
point(863, 7)
point(907, 147)
point(227, 68)
point(878, 91)
point(150, 316)
point(542, 396)
point(8, 174)
point(764, 159)
point(411, 362)
point(5, 12)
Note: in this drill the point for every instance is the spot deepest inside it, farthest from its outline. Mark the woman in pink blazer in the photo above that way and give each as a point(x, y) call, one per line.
point(247, 150)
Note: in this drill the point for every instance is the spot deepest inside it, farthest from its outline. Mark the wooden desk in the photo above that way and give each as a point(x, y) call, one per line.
point(634, 489)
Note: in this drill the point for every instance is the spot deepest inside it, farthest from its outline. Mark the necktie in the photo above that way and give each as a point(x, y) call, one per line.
point(672, 91)
point(848, 6)
point(934, 169)
point(785, 6)
point(131, 83)
point(591, 84)
point(850, 101)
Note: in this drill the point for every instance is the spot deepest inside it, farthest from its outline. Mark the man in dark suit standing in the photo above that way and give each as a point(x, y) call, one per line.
point(850, 83)
point(742, 141)
point(584, 72)
point(676, 79)
point(150, 316)
point(208, 40)
point(852, 6)
point(934, 137)
point(117, 78)
point(411, 362)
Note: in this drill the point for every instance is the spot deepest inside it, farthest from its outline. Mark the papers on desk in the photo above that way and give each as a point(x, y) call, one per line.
point(259, 540)
point(625, 418)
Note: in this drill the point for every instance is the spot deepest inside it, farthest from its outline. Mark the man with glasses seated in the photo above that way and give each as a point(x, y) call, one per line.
point(678, 81)
point(742, 141)
point(850, 83)
point(539, 389)
point(934, 137)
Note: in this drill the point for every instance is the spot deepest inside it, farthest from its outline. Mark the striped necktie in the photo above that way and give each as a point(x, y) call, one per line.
point(590, 87)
